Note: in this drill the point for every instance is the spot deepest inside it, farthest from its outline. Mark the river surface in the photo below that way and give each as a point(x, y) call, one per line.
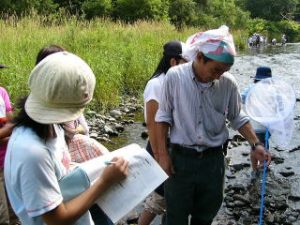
point(285, 64)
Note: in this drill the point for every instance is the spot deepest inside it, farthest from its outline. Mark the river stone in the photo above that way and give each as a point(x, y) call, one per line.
point(238, 203)
point(291, 219)
point(270, 218)
point(132, 109)
point(242, 198)
point(90, 113)
point(119, 127)
point(131, 115)
point(103, 139)
point(125, 110)
point(234, 144)
point(230, 176)
point(287, 173)
point(230, 204)
point(115, 113)
point(245, 218)
point(94, 135)
point(108, 129)
point(102, 117)
point(130, 121)
point(228, 199)
point(277, 159)
point(240, 166)
point(144, 134)
point(112, 119)
point(245, 153)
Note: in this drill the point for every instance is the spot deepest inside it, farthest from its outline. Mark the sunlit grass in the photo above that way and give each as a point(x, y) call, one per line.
point(122, 56)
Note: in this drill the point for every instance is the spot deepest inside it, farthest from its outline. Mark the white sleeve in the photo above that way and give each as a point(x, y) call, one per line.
point(152, 91)
point(39, 186)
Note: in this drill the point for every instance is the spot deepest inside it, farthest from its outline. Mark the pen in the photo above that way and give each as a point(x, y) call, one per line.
point(109, 162)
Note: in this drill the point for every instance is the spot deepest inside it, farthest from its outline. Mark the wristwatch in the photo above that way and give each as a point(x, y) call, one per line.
point(253, 146)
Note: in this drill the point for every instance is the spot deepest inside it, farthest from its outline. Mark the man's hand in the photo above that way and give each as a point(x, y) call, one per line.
point(260, 154)
point(166, 164)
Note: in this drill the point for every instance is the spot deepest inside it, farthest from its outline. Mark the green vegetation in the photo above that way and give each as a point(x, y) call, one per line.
point(122, 56)
point(122, 39)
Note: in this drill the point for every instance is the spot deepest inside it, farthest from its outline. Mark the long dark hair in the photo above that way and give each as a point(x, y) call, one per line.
point(44, 52)
point(164, 65)
point(44, 131)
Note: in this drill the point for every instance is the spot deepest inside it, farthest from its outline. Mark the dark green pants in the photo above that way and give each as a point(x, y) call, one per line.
point(196, 188)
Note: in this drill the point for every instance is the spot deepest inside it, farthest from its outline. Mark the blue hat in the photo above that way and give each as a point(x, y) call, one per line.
point(263, 72)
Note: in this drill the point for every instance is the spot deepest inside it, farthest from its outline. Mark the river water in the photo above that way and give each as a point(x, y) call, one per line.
point(284, 62)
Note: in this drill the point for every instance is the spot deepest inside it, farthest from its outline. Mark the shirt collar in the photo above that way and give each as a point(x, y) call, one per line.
point(193, 77)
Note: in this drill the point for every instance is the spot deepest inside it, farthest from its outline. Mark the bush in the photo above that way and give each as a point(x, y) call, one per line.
point(291, 29)
point(133, 10)
point(96, 8)
point(257, 26)
point(219, 12)
point(25, 7)
point(182, 12)
point(275, 29)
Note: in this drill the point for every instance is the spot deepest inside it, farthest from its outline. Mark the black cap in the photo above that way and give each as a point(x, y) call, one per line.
point(173, 48)
point(2, 66)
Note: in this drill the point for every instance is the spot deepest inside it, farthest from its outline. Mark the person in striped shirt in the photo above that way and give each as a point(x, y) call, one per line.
point(197, 99)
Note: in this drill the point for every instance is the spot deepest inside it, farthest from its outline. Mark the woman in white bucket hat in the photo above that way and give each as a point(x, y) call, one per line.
point(61, 86)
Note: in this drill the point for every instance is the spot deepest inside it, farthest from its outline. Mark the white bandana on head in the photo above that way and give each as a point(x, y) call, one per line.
point(215, 44)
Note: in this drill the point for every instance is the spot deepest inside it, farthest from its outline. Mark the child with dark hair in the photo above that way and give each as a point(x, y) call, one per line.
point(173, 54)
point(37, 157)
point(81, 147)
point(44, 52)
point(6, 113)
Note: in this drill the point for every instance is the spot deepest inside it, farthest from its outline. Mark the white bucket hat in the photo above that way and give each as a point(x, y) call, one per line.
point(61, 85)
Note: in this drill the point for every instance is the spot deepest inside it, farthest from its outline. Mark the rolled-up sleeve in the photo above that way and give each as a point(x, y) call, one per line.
point(236, 116)
point(165, 109)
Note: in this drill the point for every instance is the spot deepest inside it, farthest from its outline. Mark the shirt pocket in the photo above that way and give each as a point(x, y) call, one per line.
point(215, 122)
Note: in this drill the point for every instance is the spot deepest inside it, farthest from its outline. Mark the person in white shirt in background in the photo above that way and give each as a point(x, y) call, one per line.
point(262, 72)
point(173, 54)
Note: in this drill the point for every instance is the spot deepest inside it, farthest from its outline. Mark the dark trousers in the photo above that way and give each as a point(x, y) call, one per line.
point(196, 188)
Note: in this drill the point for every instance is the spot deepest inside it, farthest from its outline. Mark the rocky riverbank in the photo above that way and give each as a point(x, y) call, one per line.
point(105, 128)
point(242, 191)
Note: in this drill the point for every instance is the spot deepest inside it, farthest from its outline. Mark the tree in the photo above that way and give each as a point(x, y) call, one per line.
point(21, 7)
point(72, 6)
point(273, 10)
point(182, 12)
point(218, 12)
point(132, 10)
point(93, 8)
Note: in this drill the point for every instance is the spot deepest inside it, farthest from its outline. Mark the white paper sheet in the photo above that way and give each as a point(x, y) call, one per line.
point(144, 176)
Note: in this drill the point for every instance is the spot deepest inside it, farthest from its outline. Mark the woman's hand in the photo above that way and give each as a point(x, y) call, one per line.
point(116, 171)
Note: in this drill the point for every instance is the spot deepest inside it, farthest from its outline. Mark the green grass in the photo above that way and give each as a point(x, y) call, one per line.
point(122, 56)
